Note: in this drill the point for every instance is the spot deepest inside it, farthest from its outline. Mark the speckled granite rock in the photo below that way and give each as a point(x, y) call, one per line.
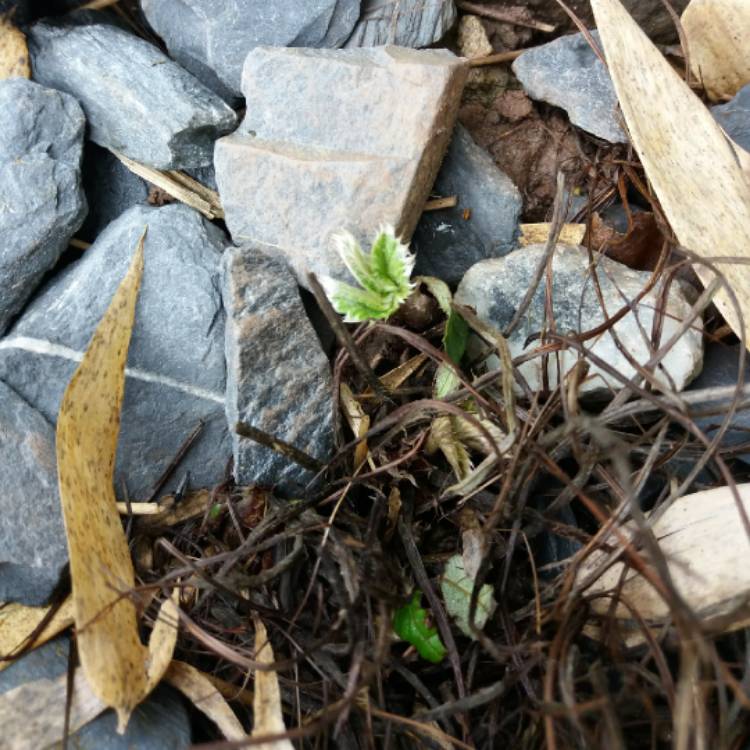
point(484, 224)
point(335, 139)
point(407, 23)
point(176, 369)
point(278, 378)
point(495, 288)
point(212, 39)
point(32, 538)
point(137, 101)
point(41, 200)
point(567, 73)
point(734, 117)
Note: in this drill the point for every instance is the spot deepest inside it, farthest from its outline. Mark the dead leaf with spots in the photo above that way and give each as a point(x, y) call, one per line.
point(267, 716)
point(717, 33)
point(14, 54)
point(196, 686)
point(120, 670)
point(18, 623)
point(694, 170)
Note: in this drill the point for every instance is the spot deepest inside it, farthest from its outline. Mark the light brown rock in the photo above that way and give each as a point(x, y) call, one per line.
point(335, 139)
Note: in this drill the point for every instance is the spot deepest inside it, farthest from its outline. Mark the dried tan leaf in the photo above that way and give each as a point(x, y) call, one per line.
point(18, 622)
point(359, 424)
point(32, 715)
point(14, 54)
point(717, 32)
point(443, 436)
point(267, 715)
point(705, 545)
point(120, 670)
point(693, 170)
point(396, 377)
point(205, 697)
point(532, 234)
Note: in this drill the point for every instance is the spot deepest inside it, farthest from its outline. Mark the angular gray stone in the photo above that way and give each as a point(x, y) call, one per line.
point(734, 117)
point(176, 369)
point(41, 200)
point(111, 188)
point(407, 23)
point(137, 101)
point(278, 378)
point(32, 538)
point(344, 139)
point(212, 39)
point(448, 242)
point(567, 74)
point(161, 722)
point(720, 370)
point(496, 287)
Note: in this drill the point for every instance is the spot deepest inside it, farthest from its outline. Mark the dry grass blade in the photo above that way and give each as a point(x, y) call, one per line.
point(192, 683)
point(694, 171)
point(19, 622)
point(359, 423)
point(267, 716)
point(717, 32)
point(14, 54)
point(34, 712)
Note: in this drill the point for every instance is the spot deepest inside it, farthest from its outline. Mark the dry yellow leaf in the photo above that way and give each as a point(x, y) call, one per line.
point(267, 715)
point(14, 54)
point(532, 234)
point(693, 170)
point(205, 697)
point(705, 545)
point(718, 32)
point(359, 423)
point(119, 668)
point(18, 622)
point(32, 715)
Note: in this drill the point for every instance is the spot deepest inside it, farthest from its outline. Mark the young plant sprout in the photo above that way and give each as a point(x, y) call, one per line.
point(382, 274)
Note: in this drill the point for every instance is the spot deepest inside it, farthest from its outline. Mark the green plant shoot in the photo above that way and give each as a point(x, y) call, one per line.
point(382, 274)
point(410, 624)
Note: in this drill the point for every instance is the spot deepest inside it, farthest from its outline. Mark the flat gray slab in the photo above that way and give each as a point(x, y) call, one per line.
point(332, 140)
point(32, 538)
point(137, 101)
point(278, 377)
point(407, 23)
point(734, 117)
point(212, 39)
point(496, 287)
point(176, 370)
point(41, 200)
point(568, 74)
point(484, 224)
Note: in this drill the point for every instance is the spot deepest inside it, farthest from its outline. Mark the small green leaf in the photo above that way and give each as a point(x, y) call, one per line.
point(410, 624)
point(455, 337)
point(383, 275)
point(457, 588)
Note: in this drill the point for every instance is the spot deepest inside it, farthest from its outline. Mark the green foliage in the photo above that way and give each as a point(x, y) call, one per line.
point(457, 588)
point(382, 274)
point(410, 624)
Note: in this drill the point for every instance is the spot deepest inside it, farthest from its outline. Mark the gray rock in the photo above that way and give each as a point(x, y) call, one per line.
point(137, 101)
point(720, 370)
point(734, 117)
point(344, 139)
point(484, 224)
point(278, 378)
point(32, 549)
point(568, 74)
point(495, 288)
point(176, 369)
point(111, 188)
point(407, 23)
point(41, 200)
point(212, 39)
point(161, 722)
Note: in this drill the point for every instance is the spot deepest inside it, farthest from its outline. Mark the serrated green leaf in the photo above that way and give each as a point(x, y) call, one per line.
point(383, 275)
point(457, 588)
point(410, 624)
